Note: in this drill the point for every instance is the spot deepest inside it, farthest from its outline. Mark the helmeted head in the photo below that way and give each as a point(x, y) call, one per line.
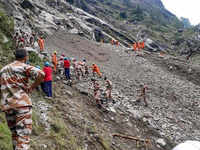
point(63, 55)
point(84, 60)
point(46, 64)
point(105, 78)
point(55, 52)
point(65, 58)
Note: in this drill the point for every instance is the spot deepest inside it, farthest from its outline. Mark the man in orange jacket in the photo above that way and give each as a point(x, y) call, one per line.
point(142, 45)
point(41, 44)
point(95, 69)
point(139, 46)
point(135, 46)
point(54, 61)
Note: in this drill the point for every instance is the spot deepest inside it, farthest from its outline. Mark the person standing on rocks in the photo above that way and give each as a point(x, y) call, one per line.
point(48, 80)
point(61, 66)
point(41, 44)
point(96, 70)
point(32, 40)
point(15, 101)
point(16, 39)
point(86, 68)
point(108, 89)
point(142, 95)
point(54, 61)
point(67, 68)
point(81, 68)
point(76, 69)
point(96, 89)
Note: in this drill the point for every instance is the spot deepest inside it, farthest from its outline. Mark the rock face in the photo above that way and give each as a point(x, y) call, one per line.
point(93, 22)
point(46, 17)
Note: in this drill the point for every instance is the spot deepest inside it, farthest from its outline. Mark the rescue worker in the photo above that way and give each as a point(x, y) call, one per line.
point(67, 68)
point(61, 66)
point(112, 42)
point(62, 56)
point(41, 44)
point(135, 46)
point(138, 46)
point(42, 83)
point(76, 69)
point(81, 68)
point(142, 95)
point(16, 39)
point(143, 45)
point(54, 61)
point(117, 43)
point(79, 72)
point(21, 43)
point(96, 90)
point(32, 40)
point(48, 80)
point(96, 70)
point(86, 68)
point(108, 89)
point(15, 102)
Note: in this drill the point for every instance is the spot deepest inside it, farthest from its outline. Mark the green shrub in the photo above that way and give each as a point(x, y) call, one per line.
point(5, 137)
point(35, 59)
point(6, 24)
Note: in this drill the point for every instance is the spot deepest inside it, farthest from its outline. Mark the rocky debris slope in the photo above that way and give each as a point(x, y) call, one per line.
point(173, 93)
point(173, 101)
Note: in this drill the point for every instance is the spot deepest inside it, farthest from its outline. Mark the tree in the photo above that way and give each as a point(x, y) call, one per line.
point(186, 22)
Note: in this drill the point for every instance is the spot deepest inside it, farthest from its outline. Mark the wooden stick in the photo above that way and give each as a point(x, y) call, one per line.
point(147, 142)
point(130, 137)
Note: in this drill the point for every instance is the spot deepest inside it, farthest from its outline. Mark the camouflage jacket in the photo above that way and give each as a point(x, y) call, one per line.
point(13, 82)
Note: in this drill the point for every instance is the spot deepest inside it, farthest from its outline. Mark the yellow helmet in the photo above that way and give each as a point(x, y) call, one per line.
point(55, 52)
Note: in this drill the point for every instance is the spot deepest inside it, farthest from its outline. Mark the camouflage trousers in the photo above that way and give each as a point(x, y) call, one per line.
point(20, 123)
point(97, 96)
point(109, 93)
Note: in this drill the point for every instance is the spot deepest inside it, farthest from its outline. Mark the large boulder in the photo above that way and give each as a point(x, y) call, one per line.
point(152, 45)
point(26, 4)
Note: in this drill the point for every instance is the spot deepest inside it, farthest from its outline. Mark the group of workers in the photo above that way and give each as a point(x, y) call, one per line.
point(23, 39)
point(81, 69)
point(137, 46)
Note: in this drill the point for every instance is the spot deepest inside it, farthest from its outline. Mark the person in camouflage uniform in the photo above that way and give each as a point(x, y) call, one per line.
point(96, 90)
point(15, 101)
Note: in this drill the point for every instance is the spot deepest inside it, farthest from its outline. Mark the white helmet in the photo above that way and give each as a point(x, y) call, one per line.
point(188, 145)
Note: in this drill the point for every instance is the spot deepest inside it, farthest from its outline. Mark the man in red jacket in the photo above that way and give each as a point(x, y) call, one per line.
point(67, 68)
point(48, 80)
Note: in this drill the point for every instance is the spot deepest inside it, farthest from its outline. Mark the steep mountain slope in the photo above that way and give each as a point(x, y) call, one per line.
point(71, 120)
point(134, 10)
point(140, 19)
